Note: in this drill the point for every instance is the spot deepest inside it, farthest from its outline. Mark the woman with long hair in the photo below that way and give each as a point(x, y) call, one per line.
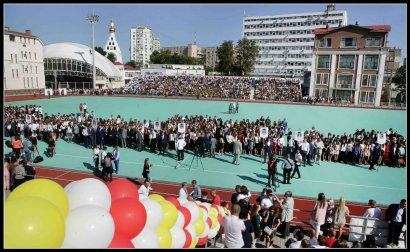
point(319, 213)
point(256, 220)
point(340, 216)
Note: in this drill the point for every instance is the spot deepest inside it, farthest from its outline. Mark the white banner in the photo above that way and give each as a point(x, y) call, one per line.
point(28, 119)
point(181, 127)
point(263, 132)
point(299, 136)
point(157, 125)
point(48, 91)
point(381, 138)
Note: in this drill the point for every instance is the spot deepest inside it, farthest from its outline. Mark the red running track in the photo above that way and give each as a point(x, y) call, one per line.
point(303, 206)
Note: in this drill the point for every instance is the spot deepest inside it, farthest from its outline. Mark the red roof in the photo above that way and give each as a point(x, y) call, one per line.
point(118, 63)
point(127, 67)
point(373, 28)
point(19, 34)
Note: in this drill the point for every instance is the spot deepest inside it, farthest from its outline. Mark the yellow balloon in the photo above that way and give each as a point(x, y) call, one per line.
point(32, 222)
point(201, 213)
point(194, 242)
point(45, 189)
point(164, 237)
point(214, 222)
point(213, 212)
point(169, 213)
point(199, 226)
point(156, 197)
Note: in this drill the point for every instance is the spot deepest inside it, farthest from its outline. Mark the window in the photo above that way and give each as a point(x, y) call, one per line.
point(31, 69)
point(36, 69)
point(12, 71)
point(322, 79)
point(32, 82)
point(324, 62)
point(12, 38)
point(17, 73)
point(377, 41)
point(369, 80)
point(11, 58)
point(35, 54)
point(318, 78)
point(344, 81)
point(107, 47)
point(328, 42)
point(371, 62)
point(346, 62)
point(325, 79)
point(37, 81)
point(366, 97)
point(24, 81)
point(348, 42)
point(322, 42)
point(15, 57)
point(368, 41)
point(29, 55)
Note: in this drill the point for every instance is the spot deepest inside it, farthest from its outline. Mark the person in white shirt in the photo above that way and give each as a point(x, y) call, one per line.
point(267, 202)
point(183, 192)
point(304, 147)
point(144, 189)
point(179, 146)
point(233, 228)
point(319, 147)
point(373, 211)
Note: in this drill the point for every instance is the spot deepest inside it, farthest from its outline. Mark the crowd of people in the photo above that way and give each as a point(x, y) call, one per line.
point(247, 223)
point(278, 90)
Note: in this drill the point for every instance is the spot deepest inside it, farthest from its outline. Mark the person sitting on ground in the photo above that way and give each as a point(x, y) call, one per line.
point(331, 239)
point(305, 244)
point(299, 237)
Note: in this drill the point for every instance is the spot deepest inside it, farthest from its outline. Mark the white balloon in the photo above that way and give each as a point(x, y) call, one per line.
point(180, 221)
point(178, 237)
point(182, 201)
point(213, 232)
point(89, 191)
point(148, 238)
point(154, 212)
point(191, 229)
point(69, 185)
point(88, 227)
point(193, 209)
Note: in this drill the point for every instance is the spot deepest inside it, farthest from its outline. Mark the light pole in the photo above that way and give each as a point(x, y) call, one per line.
point(93, 20)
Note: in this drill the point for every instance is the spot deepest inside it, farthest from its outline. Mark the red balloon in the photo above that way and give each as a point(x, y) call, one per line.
point(120, 241)
point(209, 221)
point(123, 188)
point(204, 207)
point(174, 201)
point(219, 217)
point(202, 241)
point(188, 239)
point(216, 207)
point(186, 213)
point(129, 216)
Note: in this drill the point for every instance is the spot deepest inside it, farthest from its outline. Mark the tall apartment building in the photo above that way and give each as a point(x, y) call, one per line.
point(286, 41)
point(143, 43)
point(23, 65)
point(209, 54)
point(112, 45)
point(349, 63)
point(393, 62)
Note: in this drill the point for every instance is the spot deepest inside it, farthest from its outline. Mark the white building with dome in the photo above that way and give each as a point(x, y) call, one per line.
point(112, 45)
point(69, 65)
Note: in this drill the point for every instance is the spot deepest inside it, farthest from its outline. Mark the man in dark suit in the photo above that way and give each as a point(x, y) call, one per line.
point(375, 156)
point(163, 143)
point(201, 144)
point(393, 155)
point(396, 217)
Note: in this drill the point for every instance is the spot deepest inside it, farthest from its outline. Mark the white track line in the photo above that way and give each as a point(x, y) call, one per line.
point(232, 173)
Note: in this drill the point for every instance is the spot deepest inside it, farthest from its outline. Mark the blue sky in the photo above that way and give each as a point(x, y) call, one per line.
point(176, 24)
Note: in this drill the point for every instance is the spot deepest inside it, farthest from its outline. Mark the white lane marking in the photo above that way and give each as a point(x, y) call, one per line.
point(232, 173)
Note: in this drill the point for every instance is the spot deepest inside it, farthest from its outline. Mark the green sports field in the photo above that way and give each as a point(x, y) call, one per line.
point(355, 183)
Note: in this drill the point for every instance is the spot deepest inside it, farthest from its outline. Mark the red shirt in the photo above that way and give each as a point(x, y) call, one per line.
point(216, 200)
point(272, 166)
point(330, 241)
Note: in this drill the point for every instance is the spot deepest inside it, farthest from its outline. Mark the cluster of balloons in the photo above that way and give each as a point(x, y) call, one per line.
point(89, 214)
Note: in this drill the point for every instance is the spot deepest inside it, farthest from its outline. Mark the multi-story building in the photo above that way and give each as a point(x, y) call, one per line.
point(156, 44)
point(393, 62)
point(112, 45)
point(349, 63)
point(142, 44)
point(23, 66)
point(286, 41)
point(209, 54)
point(173, 70)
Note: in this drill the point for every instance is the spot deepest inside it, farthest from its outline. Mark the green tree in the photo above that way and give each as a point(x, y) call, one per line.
point(111, 57)
point(400, 80)
point(226, 58)
point(155, 57)
point(208, 69)
point(100, 50)
point(131, 63)
point(246, 56)
point(385, 96)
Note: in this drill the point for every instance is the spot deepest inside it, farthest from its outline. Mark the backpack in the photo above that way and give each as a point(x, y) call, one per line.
point(38, 159)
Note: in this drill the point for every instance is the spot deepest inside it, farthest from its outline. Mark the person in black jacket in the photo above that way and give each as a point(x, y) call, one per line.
point(396, 217)
point(375, 156)
point(235, 194)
